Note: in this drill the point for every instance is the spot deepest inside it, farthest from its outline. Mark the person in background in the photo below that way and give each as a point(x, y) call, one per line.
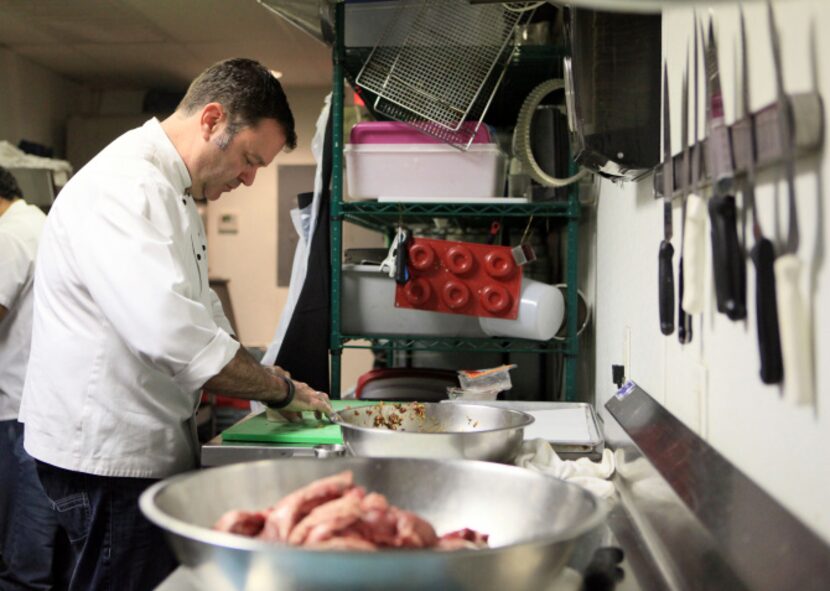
point(126, 331)
point(28, 528)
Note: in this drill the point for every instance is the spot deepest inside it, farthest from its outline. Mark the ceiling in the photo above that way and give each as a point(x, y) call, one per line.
point(160, 44)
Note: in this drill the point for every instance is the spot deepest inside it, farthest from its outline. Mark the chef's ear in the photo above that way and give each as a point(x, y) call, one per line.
point(212, 115)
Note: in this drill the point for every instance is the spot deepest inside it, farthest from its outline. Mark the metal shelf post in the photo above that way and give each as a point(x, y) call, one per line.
point(335, 346)
point(571, 300)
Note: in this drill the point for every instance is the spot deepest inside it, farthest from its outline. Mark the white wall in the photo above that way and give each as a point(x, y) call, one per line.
point(34, 102)
point(249, 258)
point(713, 384)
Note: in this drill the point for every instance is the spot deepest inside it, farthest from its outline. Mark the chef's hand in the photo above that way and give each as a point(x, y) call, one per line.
point(305, 399)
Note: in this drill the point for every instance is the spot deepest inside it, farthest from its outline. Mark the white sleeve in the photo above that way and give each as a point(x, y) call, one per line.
point(219, 314)
point(133, 262)
point(16, 267)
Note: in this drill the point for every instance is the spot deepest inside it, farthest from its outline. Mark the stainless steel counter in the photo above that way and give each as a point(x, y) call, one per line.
point(685, 518)
point(617, 529)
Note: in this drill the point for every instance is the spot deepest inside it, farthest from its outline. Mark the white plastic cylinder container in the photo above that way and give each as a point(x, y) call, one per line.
point(541, 311)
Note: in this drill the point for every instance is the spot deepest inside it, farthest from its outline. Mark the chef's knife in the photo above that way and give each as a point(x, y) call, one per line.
point(694, 239)
point(794, 324)
point(727, 256)
point(762, 253)
point(665, 279)
point(684, 321)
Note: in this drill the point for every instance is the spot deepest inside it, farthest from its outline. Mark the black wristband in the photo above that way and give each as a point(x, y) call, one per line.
point(289, 397)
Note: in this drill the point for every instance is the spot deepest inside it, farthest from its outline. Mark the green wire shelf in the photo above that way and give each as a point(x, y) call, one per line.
point(382, 216)
point(455, 344)
point(528, 66)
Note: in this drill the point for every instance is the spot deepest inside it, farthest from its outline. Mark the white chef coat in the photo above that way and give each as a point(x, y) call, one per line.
point(126, 329)
point(20, 228)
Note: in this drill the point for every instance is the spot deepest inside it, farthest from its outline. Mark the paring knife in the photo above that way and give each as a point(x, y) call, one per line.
point(694, 228)
point(794, 324)
point(762, 253)
point(665, 277)
point(684, 321)
point(727, 255)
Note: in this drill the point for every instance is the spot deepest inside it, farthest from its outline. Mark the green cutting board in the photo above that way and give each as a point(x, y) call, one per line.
point(310, 432)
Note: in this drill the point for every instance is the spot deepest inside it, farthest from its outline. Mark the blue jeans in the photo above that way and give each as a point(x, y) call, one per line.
point(31, 530)
point(8, 437)
point(111, 545)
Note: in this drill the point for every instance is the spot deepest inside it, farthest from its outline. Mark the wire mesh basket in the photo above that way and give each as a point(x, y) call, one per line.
point(438, 65)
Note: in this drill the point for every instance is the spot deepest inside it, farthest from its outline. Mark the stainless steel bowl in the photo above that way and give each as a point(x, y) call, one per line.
point(533, 522)
point(433, 430)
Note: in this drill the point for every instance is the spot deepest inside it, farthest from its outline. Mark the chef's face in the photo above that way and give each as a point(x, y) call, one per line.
point(233, 157)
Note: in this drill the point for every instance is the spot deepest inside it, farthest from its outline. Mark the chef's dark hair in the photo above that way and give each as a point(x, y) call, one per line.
point(9, 189)
point(247, 91)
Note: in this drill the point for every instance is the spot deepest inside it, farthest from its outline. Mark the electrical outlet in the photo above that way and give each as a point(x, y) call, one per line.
point(228, 223)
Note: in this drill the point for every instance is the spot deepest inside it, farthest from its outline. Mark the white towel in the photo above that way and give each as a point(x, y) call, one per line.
point(537, 454)
point(12, 157)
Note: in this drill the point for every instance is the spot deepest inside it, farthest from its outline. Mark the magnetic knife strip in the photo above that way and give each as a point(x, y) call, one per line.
point(808, 115)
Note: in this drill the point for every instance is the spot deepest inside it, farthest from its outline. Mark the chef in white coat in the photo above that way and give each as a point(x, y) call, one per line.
point(126, 331)
point(28, 529)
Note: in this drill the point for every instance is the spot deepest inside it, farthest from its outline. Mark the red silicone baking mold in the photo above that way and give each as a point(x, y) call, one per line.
point(461, 278)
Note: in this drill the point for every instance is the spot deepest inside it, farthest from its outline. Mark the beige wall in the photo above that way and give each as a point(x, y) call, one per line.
point(713, 383)
point(34, 103)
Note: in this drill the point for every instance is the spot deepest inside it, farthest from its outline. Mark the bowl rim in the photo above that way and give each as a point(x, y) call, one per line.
point(173, 525)
point(525, 419)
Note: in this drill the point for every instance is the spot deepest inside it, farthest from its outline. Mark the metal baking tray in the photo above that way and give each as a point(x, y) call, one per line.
point(570, 427)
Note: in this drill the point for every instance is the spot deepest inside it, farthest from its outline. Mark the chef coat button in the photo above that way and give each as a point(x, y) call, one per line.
point(184, 201)
point(198, 256)
point(204, 247)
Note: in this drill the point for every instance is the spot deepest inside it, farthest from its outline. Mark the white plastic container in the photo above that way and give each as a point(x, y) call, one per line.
point(368, 307)
point(462, 394)
point(424, 170)
point(541, 311)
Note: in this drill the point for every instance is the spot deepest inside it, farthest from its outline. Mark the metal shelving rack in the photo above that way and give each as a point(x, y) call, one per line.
point(382, 216)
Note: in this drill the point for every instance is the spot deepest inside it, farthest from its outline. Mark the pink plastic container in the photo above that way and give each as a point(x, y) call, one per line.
point(395, 132)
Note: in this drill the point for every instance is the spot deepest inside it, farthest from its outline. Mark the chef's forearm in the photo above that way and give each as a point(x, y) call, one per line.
point(244, 378)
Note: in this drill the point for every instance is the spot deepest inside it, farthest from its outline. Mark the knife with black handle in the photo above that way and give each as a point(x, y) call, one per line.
point(727, 257)
point(766, 310)
point(762, 253)
point(665, 273)
point(666, 290)
point(727, 254)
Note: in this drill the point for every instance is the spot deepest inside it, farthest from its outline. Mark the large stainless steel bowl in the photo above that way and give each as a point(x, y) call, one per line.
point(433, 430)
point(533, 521)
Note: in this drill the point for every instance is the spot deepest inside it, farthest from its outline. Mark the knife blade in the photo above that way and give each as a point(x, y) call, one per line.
point(694, 241)
point(763, 252)
point(684, 321)
point(727, 255)
point(793, 320)
point(665, 277)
